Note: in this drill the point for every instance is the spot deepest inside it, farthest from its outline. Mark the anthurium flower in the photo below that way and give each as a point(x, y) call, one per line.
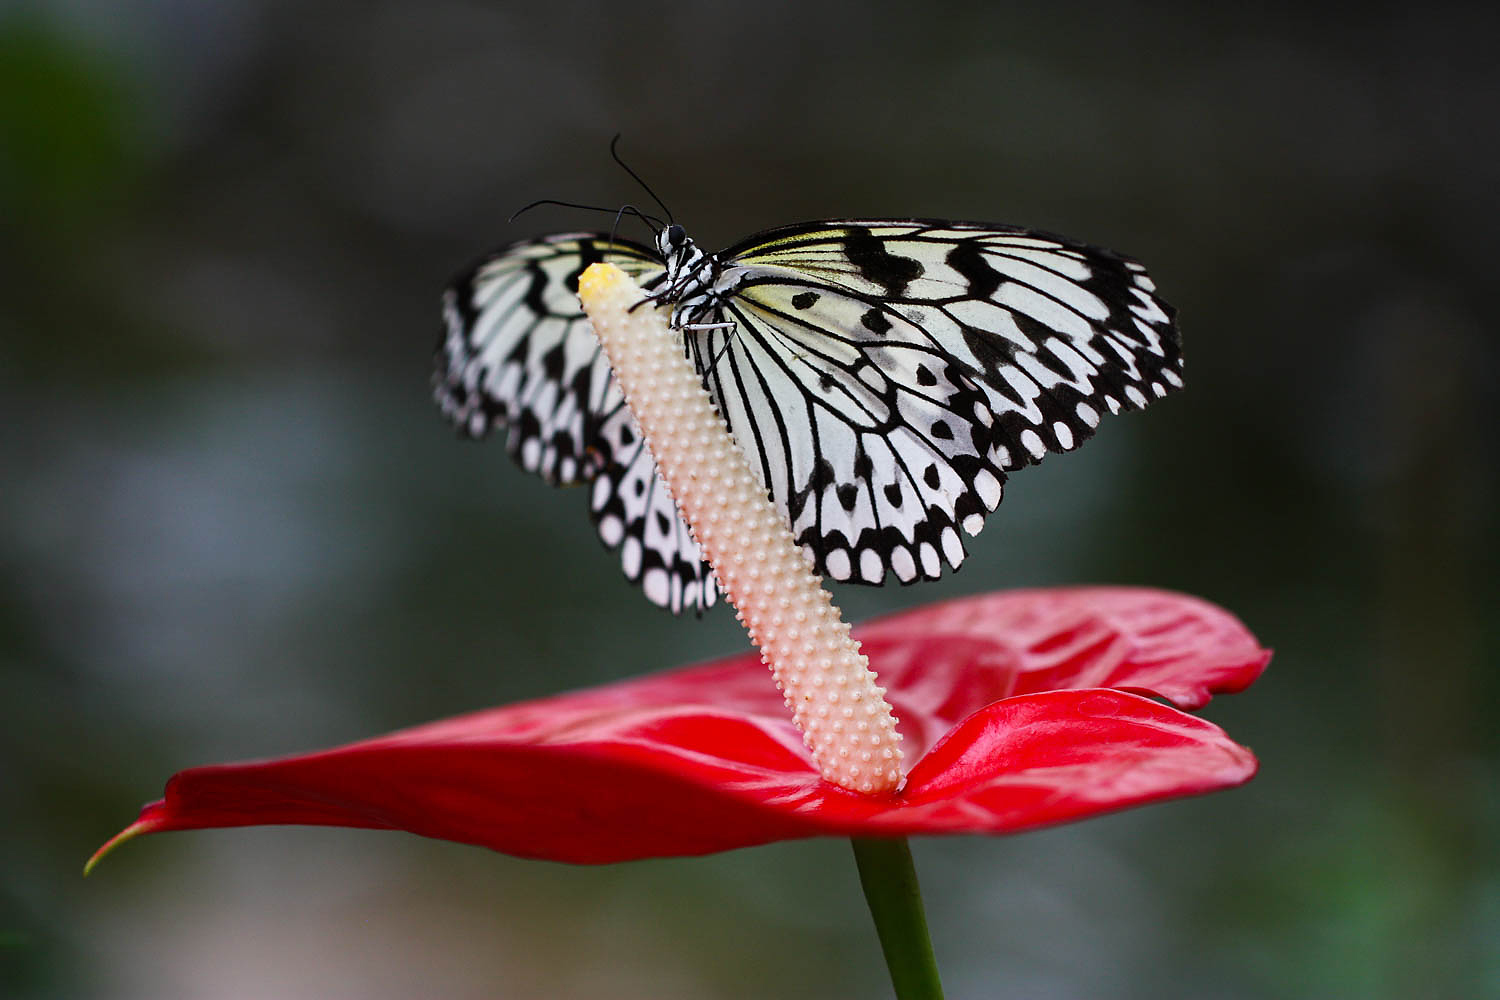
point(1019, 709)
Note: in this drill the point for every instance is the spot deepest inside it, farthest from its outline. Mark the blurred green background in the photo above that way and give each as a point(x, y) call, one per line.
point(233, 525)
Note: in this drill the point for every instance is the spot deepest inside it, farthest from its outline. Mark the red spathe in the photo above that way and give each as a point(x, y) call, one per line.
point(1019, 709)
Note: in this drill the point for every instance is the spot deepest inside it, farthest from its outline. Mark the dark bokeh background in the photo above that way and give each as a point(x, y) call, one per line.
point(232, 524)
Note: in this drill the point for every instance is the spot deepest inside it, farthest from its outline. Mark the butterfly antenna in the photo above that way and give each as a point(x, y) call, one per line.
point(652, 222)
point(614, 152)
point(553, 201)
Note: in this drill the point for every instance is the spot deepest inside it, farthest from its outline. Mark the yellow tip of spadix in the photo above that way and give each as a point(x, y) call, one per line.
point(598, 280)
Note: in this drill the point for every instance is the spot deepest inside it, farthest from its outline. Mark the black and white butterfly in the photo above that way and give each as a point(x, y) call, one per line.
point(883, 376)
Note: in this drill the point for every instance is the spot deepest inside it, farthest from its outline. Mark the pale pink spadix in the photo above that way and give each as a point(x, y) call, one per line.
point(845, 720)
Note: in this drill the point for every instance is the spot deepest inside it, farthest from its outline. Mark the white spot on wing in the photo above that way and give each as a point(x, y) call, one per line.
point(953, 547)
point(599, 493)
point(904, 565)
point(531, 454)
point(930, 564)
point(611, 530)
point(630, 557)
point(657, 586)
point(988, 488)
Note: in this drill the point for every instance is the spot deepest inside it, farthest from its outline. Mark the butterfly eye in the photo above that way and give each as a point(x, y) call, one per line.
point(674, 236)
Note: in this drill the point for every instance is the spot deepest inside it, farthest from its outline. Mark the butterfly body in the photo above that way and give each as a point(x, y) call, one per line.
point(695, 284)
point(883, 377)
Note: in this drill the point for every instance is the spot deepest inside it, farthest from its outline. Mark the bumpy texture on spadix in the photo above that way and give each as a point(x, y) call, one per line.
point(842, 713)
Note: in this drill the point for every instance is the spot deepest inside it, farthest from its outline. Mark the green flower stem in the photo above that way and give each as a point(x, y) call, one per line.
point(895, 900)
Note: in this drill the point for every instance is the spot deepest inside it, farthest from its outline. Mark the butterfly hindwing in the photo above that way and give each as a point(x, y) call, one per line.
point(518, 353)
point(633, 510)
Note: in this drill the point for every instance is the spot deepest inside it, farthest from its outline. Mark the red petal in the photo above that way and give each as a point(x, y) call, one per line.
point(1170, 645)
point(705, 759)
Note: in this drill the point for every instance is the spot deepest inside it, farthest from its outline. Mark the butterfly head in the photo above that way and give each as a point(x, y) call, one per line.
point(672, 241)
point(685, 264)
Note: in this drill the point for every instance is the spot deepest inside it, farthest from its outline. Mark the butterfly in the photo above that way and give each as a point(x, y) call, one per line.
point(883, 377)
